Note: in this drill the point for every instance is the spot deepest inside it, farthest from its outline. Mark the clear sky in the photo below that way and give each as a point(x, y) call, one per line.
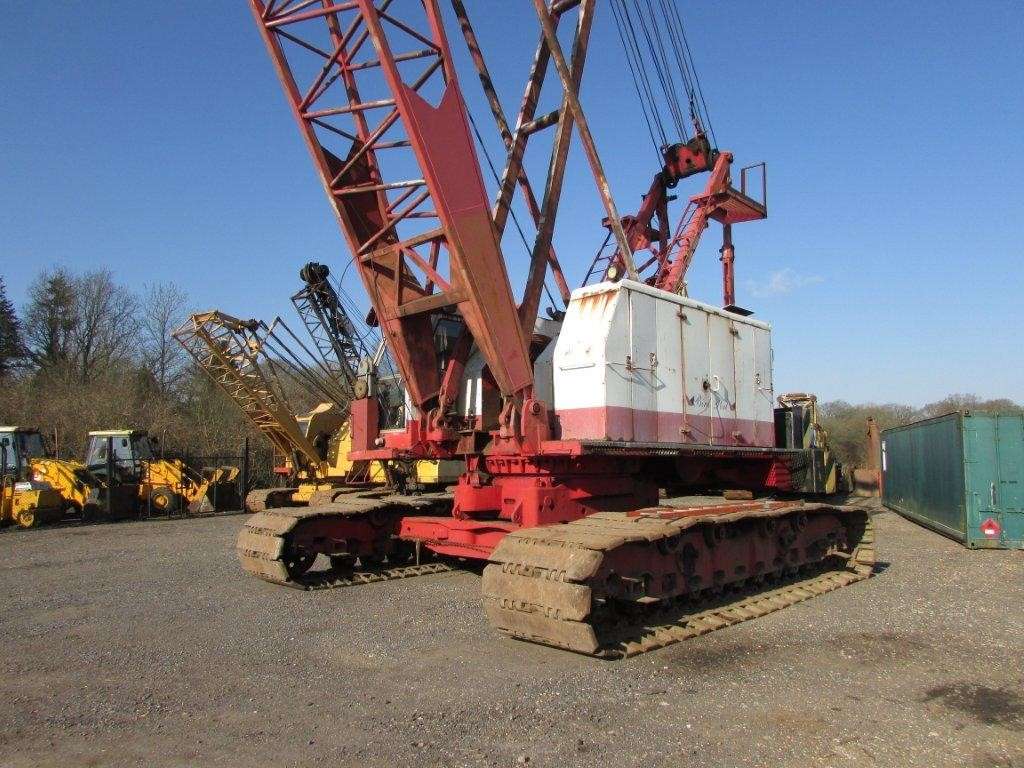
point(152, 138)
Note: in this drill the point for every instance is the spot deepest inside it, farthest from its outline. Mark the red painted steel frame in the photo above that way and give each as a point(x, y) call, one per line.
point(376, 223)
point(416, 112)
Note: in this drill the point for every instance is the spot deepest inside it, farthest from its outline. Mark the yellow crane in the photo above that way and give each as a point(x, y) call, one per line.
point(246, 358)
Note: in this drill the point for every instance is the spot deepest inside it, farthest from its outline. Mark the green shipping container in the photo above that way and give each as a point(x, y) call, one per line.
point(961, 474)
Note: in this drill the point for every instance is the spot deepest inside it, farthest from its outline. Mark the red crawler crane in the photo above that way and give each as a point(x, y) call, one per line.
point(378, 101)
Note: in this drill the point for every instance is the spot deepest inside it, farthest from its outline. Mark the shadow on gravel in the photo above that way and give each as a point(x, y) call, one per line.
point(79, 523)
point(989, 706)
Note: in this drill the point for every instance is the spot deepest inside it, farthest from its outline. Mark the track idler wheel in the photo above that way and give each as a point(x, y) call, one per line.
point(297, 562)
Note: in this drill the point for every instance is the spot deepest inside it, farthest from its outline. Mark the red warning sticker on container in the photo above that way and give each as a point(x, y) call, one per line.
point(991, 528)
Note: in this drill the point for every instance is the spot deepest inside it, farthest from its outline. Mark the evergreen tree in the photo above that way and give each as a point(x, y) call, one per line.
point(12, 349)
point(51, 320)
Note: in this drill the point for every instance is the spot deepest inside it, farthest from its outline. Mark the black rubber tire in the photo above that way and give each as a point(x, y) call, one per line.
point(91, 513)
point(162, 501)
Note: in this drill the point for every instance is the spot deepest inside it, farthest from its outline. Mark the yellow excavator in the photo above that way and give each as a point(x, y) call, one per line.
point(262, 368)
point(24, 499)
point(161, 486)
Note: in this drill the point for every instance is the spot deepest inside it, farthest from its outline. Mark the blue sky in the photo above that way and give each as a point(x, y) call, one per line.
point(152, 138)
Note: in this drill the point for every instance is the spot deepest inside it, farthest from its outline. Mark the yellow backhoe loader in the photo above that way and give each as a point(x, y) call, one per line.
point(126, 457)
point(25, 500)
point(83, 494)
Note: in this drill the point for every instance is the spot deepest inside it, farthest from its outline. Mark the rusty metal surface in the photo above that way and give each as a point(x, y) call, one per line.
point(274, 544)
point(610, 585)
point(556, 171)
point(502, 207)
point(379, 215)
point(586, 138)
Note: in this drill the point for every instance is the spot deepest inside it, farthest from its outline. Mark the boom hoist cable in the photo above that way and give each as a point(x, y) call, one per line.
point(653, 39)
point(662, 68)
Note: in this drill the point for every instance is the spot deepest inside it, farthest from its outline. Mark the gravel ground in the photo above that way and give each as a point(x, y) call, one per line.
point(144, 644)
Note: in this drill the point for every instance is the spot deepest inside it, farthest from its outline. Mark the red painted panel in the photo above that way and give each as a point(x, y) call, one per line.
point(618, 423)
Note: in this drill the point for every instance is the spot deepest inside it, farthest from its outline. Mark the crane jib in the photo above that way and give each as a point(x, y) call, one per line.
point(400, 253)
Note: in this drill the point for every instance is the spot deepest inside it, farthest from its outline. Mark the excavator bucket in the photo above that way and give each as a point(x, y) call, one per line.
point(217, 492)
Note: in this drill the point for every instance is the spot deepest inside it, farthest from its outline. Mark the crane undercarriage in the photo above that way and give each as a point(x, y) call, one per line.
point(604, 583)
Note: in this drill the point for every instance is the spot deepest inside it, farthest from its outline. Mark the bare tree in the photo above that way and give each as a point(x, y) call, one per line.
point(106, 331)
point(967, 402)
point(162, 310)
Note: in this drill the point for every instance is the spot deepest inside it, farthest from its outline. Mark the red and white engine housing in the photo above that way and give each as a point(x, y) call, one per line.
point(634, 363)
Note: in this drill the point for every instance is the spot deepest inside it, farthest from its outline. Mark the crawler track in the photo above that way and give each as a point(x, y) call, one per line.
point(615, 585)
point(280, 545)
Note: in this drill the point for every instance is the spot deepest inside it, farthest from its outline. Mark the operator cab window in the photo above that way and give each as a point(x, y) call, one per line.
point(97, 452)
point(123, 453)
point(143, 449)
point(32, 446)
point(8, 456)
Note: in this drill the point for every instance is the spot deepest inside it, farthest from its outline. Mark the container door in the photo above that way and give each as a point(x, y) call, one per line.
point(981, 467)
point(1010, 477)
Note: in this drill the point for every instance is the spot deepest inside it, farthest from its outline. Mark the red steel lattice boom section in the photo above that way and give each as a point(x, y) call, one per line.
point(402, 175)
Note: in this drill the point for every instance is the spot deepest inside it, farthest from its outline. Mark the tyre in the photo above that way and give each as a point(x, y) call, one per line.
point(163, 501)
point(91, 513)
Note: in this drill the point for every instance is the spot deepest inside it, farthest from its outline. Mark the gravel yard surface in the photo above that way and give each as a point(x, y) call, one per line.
point(144, 644)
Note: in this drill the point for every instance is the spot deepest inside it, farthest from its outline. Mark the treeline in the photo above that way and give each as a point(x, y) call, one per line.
point(846, 424)
point(87, 353)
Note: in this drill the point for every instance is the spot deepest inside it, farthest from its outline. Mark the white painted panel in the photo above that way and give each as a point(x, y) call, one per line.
point(668, 372)
point(763, 382)
point(585, 347)
point(697, 373)
point(618, 347)
point(743, 378)
point(470, 400)
point(644, 335)
point(723, 397)
point(683, 357)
